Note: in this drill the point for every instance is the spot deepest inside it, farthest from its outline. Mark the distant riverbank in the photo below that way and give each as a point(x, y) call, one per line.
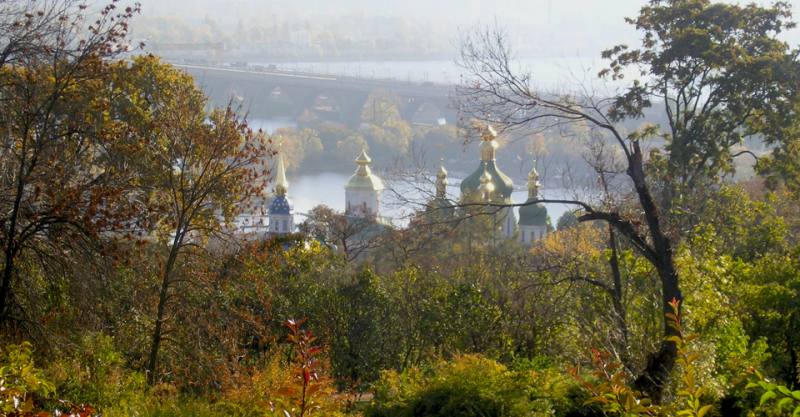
point(341, 58)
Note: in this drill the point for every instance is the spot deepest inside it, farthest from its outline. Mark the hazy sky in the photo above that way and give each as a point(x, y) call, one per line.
point(584, 26)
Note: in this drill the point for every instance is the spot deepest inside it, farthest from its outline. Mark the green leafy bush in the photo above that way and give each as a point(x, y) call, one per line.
point(91, 370)
point(23, 388)
point(468, 386)
point(616, 396)
point(170, 407)
point(20, 381)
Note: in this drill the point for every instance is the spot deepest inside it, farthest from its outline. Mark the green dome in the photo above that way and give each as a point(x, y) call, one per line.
point(441, 207)
point(534, 214)
point(503, 186)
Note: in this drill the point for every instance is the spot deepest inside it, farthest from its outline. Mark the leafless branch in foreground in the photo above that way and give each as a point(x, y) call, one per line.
point(494, 90)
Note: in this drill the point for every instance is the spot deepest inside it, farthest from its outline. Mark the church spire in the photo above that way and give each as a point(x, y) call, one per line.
point(281, 184)
point(488, 144)
point(533, 183)
point(281, 209)
point(441, 181)
point(363, 162)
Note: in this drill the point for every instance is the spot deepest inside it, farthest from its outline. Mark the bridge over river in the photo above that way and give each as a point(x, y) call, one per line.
point(329, 97)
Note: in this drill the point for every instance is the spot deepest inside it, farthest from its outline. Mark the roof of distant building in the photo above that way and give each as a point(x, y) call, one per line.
point(281, 205)
point(364, 179)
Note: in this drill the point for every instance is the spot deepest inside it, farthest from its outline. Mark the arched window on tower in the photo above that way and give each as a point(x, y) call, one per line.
point(364, 206)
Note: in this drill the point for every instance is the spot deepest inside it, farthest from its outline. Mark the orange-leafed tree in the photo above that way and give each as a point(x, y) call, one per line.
point(200, 169)
point(63, 182)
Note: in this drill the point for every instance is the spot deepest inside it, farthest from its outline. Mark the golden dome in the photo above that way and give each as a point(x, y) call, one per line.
point(364, 179)
point(533, 213)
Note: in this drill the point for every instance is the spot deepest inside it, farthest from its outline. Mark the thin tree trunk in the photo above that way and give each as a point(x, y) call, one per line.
point(655, 376)
point(156, 342)
point(11, 245)
point(5, 286)
point(152, 364)
point(619, 308)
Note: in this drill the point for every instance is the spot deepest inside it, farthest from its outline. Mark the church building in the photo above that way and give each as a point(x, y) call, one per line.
point(533, 215)
point(487, 183)
point(498, 188)
point(362, 193)
point(281, 209)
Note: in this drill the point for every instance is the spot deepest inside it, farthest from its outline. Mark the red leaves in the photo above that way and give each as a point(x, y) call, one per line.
point(303, 398)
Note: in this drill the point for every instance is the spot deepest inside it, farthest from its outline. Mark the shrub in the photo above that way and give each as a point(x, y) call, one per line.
point(615, 395)
point(467, 386)
point(310, 391)
point(91, 370)
point(170, 407)
point(22, 387)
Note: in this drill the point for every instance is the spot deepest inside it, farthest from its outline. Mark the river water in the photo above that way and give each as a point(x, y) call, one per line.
point(309, 190)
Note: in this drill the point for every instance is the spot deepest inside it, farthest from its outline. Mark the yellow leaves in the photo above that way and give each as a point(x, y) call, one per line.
point(584, 241)
point(18, 378)
point(617, 397)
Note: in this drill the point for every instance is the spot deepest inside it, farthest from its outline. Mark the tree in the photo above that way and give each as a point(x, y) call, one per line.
point(203, 168)
point(354, 236)
point(722, 75)
point(60, 175)
point(567, 220)
point(382, 109)
point(349, 148)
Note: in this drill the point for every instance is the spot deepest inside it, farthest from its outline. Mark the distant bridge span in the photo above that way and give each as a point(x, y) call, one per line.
point(303, 89)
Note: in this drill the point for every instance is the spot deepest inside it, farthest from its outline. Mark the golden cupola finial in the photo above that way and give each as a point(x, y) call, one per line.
point(363, 164)
point(364, 179)
point(489, 134)
point(486, 188)
point(533, 182)
point(281, 184)
point(488, 144)
point(441, 181)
